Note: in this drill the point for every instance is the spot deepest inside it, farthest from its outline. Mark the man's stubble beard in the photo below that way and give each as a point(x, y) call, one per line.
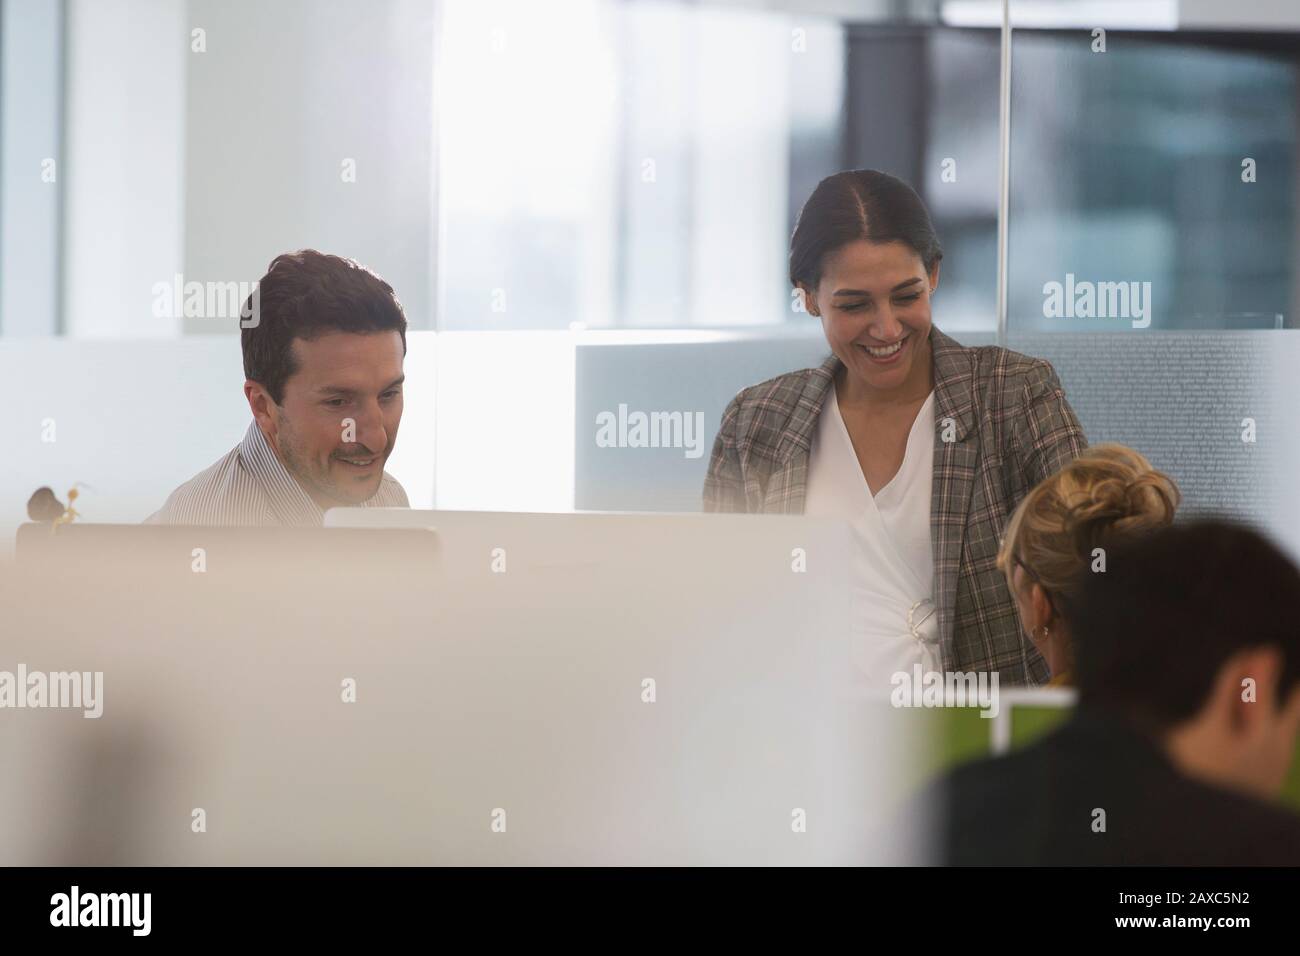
point(297, 466)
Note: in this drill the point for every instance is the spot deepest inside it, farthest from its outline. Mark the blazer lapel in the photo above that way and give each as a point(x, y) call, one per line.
point(787, 487)
point(956, 460)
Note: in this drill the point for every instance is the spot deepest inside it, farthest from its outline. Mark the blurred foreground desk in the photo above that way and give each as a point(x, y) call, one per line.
point(489, 689)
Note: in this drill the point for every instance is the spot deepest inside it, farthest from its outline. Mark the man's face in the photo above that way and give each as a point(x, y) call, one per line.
point(1277, 746)
point(337, 422)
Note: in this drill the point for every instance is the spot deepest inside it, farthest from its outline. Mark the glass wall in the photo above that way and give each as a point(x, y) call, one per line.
point(1165, 158)
point(641, 164)
point(505, 164)
point(1152, 253)
point(588, 203)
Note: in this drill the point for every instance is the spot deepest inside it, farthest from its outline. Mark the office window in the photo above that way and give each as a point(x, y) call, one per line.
point(627, 164)
point(1169, 159)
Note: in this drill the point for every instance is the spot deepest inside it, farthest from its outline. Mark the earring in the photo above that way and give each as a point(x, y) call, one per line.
point(1046, 632)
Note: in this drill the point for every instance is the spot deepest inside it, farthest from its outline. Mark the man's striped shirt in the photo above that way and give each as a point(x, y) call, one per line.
point(250, 486)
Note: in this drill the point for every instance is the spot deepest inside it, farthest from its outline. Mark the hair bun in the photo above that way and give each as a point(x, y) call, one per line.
point(1120, 506)
point(1108, 493)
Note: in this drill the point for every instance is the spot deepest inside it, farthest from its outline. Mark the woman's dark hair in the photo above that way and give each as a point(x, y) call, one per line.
point(859, 204)
point(305, 295)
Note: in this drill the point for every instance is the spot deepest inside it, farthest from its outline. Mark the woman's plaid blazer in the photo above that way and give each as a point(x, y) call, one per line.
point(1010, 427)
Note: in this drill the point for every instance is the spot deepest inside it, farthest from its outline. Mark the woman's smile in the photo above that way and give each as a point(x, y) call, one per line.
point(885, 354)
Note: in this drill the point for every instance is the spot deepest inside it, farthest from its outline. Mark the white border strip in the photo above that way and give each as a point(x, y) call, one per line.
point(1012, 697)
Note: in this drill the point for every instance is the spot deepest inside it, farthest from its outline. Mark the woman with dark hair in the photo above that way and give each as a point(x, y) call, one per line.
point(923, 445)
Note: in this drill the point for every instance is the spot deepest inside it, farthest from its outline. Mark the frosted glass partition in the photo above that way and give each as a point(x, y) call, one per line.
point(131, 420)
point(689, 376)
point(1212, 409)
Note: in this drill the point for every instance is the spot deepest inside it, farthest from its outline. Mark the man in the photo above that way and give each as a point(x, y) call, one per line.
point(324, 340)
point(1188, 657)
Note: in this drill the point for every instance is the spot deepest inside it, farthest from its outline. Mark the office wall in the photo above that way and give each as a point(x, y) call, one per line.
point(124, 168)
point(286, 96)
point(31, 152)
point(1254, 15)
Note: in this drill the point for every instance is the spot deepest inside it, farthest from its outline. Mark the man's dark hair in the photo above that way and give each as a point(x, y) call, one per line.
point(303, 296)
point(1152, 631)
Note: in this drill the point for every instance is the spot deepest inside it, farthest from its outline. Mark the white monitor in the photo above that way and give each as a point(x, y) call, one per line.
point(542, 689)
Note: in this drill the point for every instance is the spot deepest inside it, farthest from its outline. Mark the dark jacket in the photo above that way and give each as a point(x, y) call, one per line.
point(1037, 807)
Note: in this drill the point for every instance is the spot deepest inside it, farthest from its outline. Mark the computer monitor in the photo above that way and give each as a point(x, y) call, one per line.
point(648, 689)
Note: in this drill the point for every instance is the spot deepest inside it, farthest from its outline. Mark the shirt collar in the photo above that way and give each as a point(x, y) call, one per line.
point(290, 504)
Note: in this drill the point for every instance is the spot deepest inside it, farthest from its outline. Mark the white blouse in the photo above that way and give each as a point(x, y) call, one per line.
point(895, 621)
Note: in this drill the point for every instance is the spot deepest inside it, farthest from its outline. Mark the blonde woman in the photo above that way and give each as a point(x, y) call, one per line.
point(1106, 494)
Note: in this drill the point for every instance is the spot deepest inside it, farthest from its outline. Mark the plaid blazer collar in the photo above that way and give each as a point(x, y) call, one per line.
point(954, 378)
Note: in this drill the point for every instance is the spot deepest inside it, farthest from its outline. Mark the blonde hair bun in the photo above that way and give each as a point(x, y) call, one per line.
point(1110, 492)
